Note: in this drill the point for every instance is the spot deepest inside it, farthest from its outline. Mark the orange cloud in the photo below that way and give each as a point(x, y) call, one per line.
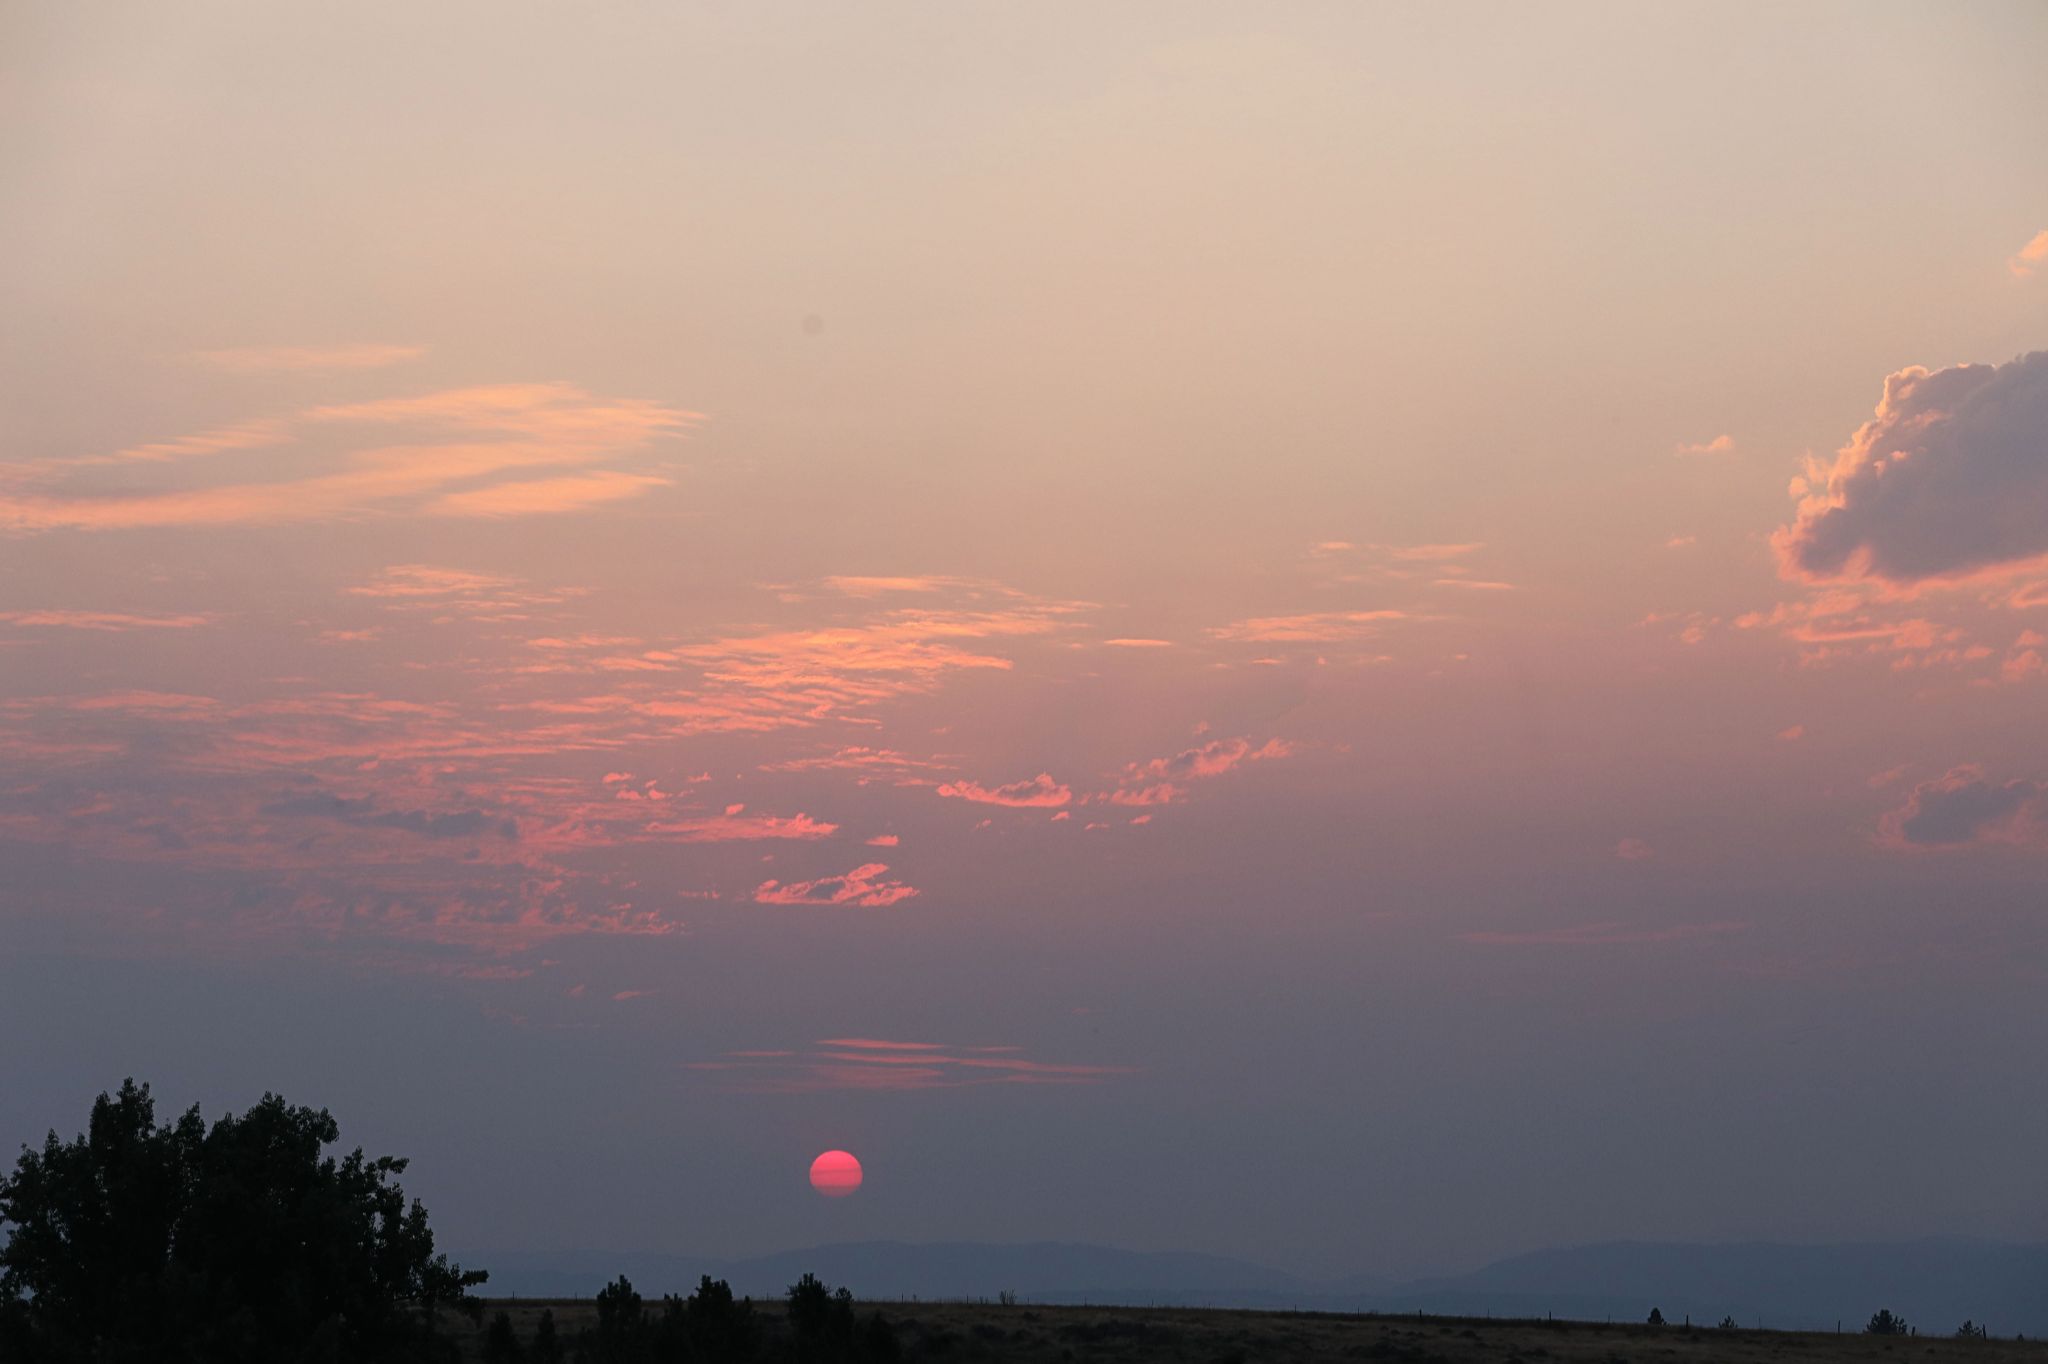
point(2028, 257)
point(1429, 553)
point(864, 886)
point(732, 827)
point(1039, 792)
point(1161, 781)
point(456, 436)
point(543, 496)
point(104, 620)
point(1319, 627)
point(1719, 445)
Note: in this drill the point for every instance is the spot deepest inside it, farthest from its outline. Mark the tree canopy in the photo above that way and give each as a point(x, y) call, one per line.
point(236, 1242)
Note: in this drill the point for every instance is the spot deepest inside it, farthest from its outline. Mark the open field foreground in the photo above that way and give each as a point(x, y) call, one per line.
point(1142, 1335)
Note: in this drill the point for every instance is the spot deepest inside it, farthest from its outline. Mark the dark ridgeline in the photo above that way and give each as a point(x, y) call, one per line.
point(190, 1244)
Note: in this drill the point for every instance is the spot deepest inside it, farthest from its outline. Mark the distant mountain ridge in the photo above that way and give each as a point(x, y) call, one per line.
point(1935, 1283)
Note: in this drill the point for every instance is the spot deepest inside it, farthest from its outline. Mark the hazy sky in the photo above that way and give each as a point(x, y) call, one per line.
point(1367, 637)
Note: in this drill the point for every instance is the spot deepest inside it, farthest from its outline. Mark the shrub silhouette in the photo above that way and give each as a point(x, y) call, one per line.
point(1656, 1316)
point(239, 1242)
point(1970, 1330)
point(1883, 1323)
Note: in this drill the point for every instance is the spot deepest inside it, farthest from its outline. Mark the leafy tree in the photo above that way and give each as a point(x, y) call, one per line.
point(1656, 1316)
point(239, 1242)
point(1883, 1323)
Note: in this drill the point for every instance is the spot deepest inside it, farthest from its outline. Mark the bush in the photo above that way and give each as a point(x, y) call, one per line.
point(1883, 1323)
point(1656, 1316)
point(239, 1242)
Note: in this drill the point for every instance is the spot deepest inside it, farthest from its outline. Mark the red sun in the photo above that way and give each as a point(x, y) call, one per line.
point(835, 1174)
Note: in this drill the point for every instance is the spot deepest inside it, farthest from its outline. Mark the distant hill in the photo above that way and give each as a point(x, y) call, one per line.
point(1935, 1284)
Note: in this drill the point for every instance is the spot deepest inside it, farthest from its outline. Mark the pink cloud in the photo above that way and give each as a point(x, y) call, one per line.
point(1319, 627)
point(732, 827)
point(1719, 445)
point(1632, 850)
point(1945, 482)
point(1039, 792)
point(1963, 807)
point(1161, 781)
point(537, 497)
point(863, 886)
point(441, 441)
point(1431, 553)
point(2028, 257)
point(104, 620)
point(884, 841)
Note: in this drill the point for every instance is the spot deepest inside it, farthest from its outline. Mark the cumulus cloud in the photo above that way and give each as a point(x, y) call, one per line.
point(2029, 257)
point(1948, 479)
point(1963, 806)
point(1039, 792)
point(864, 886)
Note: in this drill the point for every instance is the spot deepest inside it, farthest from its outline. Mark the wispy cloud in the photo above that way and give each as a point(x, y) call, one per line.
point(876, 1064)
point(2030, 257)
point(1719, 445)
point(105, 620)
point(1319, 627)
point(428, 454)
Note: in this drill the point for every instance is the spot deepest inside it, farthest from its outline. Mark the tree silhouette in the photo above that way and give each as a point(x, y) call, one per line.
point(546, 1349)
point(1883, 1323)
point(239, 1242)
point(1656, 1316)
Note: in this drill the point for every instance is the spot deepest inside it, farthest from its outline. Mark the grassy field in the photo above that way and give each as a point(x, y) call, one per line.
point(968, 1332)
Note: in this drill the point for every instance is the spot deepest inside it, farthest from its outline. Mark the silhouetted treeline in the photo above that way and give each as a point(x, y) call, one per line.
point(237, 1243)
point(819, 1326)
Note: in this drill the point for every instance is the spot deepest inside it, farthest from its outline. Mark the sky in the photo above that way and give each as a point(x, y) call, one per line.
point(1367, 637)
